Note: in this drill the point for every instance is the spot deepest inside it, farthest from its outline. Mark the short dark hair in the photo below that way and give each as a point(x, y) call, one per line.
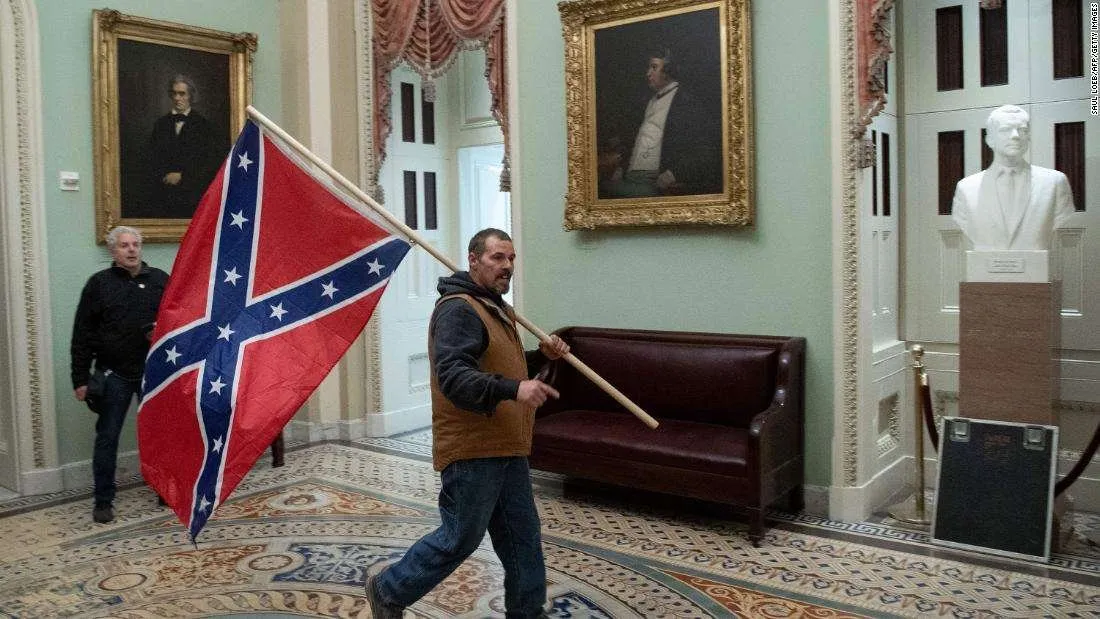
point(665, 55)
point(477, 242)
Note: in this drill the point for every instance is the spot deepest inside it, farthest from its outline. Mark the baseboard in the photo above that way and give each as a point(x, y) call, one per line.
point(391, 423)
point(816, 500)
point(856, 503)
point(42, 481)
point(78, 475)
point(374, 426)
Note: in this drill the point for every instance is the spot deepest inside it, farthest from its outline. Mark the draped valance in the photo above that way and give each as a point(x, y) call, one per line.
point(427, 35)
point(874, 49)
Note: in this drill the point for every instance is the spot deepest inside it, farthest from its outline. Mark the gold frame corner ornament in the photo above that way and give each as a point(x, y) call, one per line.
point(735, 205)
point(108, 26)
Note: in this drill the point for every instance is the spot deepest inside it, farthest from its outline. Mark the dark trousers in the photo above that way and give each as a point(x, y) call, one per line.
point(484, 494)
point(117, 395)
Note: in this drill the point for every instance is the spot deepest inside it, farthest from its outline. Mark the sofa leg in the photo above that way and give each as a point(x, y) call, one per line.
point(756, 526)
point(796, 500)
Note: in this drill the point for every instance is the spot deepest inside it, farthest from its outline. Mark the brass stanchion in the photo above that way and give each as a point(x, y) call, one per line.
point(914, 510)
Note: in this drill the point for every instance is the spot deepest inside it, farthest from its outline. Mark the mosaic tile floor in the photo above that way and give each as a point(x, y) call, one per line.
point(296, 541)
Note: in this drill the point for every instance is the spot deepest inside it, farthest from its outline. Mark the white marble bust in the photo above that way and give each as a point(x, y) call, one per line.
point(1011, 205)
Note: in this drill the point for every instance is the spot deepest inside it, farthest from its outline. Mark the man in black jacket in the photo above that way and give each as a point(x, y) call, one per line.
point(113, 326)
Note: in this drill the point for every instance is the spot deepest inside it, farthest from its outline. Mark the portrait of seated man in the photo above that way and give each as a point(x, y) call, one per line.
point(672, 146)
point(1011, 205)
point(182, 153)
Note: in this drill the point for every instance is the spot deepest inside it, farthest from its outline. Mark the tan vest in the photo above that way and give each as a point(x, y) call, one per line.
point(459, 434)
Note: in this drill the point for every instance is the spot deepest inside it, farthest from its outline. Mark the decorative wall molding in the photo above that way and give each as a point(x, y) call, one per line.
point(890, 409)
point(25, 244)
point(848, 359)
point(367, 165)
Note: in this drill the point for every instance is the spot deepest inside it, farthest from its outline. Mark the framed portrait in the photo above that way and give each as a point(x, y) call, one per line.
point(658, 104)
point(168, 102)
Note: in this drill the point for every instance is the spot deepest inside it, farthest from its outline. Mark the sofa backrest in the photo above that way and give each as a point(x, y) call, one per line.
point(705, 377)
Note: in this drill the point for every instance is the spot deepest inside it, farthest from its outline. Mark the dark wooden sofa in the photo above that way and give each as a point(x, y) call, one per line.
point(730, 409)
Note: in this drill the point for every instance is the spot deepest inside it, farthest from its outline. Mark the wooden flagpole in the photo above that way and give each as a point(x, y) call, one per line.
point(414, 238)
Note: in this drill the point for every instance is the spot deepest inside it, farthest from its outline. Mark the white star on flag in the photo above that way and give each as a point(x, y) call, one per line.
point(173, 354)
point(329, 290)
point(217, 445)
point(244, 161)
point(238, 219)
point(231, 276)
point(204, 504)
point(225, 332)
point(216, 385)
point(277, 312)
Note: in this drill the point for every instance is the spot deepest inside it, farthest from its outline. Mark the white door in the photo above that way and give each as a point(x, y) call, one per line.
point(416, 178)
point(481, 202)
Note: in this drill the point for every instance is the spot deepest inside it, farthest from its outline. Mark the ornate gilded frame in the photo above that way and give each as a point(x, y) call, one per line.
point(108, 27)
point(734, 205)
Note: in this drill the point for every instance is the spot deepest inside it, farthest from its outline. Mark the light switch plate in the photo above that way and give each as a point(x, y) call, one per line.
point(70, 181)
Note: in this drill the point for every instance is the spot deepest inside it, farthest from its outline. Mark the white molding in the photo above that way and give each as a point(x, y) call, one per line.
point(372, 426)
point(42, 481)
point(515, 149)
point(25, 243)
point(854, 503)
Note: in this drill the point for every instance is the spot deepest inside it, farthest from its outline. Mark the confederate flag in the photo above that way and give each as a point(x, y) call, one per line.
point(276, 276)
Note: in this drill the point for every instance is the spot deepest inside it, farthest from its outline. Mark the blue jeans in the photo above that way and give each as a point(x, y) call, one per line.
point(482, 494)
point(117, 394)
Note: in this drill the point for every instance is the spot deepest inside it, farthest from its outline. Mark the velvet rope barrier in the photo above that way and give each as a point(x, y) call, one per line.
point(1079, 468)
point(929, 417)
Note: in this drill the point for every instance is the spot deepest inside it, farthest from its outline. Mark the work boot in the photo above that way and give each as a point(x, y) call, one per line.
point(378, 607)
point(103, 513)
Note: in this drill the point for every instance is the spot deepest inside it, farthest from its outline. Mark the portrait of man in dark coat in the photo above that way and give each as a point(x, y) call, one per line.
point(183, 154)
point(666, 139)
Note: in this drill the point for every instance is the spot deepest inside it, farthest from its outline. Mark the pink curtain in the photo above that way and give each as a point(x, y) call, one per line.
point(427, 35)
point(874, 49)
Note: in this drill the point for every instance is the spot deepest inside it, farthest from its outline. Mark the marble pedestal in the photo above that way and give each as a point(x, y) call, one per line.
point(1009, 334)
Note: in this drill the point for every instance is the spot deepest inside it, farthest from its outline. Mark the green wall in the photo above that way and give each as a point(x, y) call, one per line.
point(65, 28)
point(774, 278)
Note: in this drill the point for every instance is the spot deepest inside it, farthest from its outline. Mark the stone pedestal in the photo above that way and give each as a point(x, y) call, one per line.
point(1009, 334)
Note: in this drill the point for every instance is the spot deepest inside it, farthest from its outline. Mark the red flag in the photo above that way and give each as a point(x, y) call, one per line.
point(275, 278)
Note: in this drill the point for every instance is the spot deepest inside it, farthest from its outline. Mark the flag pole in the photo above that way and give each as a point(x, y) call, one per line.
point(413, 237)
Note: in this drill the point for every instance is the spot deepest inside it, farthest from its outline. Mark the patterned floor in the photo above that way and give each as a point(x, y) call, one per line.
point(296, 541)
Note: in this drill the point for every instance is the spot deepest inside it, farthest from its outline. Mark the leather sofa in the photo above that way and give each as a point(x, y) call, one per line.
point(730, 409)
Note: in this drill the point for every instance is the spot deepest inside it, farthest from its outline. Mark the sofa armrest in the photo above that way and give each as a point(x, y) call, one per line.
point(777, 431)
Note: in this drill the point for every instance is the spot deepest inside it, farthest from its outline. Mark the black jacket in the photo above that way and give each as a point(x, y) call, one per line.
point(114, 315)
point(459, 339)
point(196, 152)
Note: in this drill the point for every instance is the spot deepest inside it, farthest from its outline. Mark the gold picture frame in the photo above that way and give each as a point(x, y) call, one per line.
point(609, 45)
point(135, 65)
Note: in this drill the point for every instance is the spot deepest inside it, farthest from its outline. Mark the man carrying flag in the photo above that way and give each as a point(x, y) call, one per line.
point(276, 277)
point(483, 412)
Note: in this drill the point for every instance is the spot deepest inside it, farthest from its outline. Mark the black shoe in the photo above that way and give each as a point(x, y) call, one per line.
point(103, 514)
point(379, 608)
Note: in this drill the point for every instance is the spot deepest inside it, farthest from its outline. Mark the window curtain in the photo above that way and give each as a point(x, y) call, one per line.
point(874, 49)
point(427, 35)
